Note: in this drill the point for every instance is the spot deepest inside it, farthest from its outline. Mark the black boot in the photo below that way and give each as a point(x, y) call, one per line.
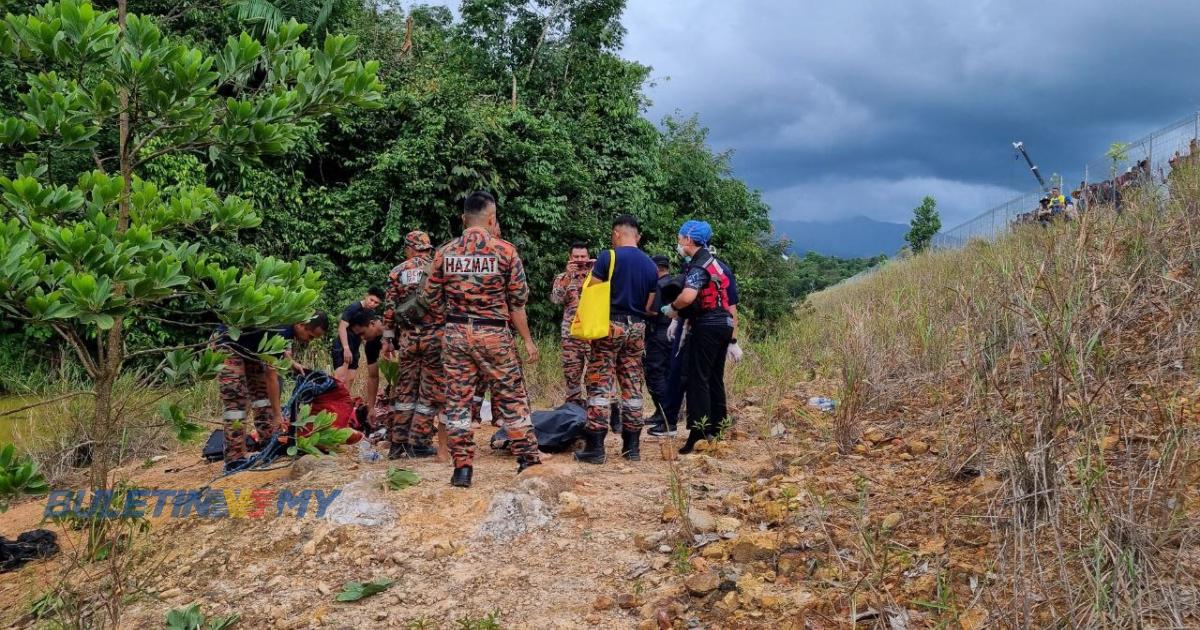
point(526, 462)
point(593, 453)
point(417, 451)
point(461, 477)
point(396, 451)
point(694, 436)
point(614, 417)
point(631, 445)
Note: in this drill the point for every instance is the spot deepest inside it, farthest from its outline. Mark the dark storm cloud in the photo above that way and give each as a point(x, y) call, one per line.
point(862, 107)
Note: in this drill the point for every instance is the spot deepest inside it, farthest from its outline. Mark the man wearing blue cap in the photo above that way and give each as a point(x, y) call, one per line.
point(705, 308)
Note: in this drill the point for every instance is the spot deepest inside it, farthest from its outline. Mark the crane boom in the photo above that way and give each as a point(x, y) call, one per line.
point(1020, 147)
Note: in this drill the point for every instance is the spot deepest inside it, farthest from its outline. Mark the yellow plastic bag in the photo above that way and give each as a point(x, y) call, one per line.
point(591, 318)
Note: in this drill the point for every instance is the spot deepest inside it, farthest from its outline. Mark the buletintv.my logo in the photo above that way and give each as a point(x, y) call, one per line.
point(207, 503)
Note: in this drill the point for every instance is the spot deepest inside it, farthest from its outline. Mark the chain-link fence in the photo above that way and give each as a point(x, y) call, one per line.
point(1149, 158)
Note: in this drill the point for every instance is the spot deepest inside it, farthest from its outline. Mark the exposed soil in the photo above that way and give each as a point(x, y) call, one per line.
point(792, 535)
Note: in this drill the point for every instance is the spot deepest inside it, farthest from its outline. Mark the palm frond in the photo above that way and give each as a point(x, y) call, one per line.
point(259, 12)
point(318, 25)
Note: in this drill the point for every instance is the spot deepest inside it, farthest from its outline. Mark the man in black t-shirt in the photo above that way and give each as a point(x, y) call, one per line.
point(346, 345)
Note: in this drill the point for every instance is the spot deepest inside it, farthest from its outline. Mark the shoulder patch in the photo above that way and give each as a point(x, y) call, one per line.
point(411, 276)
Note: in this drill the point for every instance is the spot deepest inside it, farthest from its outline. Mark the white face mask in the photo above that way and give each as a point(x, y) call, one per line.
point(680, 251)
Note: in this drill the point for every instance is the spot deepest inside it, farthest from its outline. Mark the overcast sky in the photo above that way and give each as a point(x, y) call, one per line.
point(836, 109)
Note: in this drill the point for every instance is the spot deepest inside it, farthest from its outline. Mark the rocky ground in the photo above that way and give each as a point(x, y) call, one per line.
point(777, 531)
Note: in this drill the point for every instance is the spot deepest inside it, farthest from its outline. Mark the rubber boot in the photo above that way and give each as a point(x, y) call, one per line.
point(396, 451)
point(461, 477)
point(593, 453)
point(694, 436)
point(526, 462)
point(417, 451)
point(631, 445)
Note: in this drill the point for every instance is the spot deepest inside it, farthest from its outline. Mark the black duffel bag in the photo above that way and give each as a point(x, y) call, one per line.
point(556, 429)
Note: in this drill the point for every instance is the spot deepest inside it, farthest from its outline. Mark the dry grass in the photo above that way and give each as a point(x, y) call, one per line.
point(1063, 361)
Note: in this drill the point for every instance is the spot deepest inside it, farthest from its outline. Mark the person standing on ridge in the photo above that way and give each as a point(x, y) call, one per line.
point(617, 359)
point(565, 292)
point(704, 306)
point(477, 281)
point(415, 337)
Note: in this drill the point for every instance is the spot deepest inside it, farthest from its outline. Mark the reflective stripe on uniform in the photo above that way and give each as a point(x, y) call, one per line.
point(234, 414)
point(632, 403)
point(425, 410)
point(404, 406)
point(259, 404)
point(458, 420)
point(598, 401)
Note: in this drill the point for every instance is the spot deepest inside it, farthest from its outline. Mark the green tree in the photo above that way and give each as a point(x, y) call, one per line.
point(94, 254)
point(925, 223)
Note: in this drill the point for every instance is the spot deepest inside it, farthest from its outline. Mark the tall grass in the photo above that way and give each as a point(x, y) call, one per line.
point(1063, 360)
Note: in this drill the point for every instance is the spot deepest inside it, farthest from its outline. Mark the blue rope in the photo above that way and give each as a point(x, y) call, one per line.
point(308, 386)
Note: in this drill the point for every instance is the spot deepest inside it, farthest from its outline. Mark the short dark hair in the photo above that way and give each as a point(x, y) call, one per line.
point(627, 219)
point(578, 245)
point(477, 202)
point(319, 321)
point(363, 317)
point(376, 291)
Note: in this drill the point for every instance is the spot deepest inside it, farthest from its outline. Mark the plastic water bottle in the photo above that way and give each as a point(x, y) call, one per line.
point(366, 453)
point(824, 404)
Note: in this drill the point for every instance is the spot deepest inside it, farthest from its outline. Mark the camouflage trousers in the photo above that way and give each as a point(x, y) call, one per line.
point(420, 389)
point(574, 361)
point(616, 361)
point(487, 354)
point(243, 384)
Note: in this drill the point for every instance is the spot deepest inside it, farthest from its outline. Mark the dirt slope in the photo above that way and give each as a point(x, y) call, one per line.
point(791, 535)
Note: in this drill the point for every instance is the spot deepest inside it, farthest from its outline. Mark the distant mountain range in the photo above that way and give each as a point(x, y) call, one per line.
point(856, 237)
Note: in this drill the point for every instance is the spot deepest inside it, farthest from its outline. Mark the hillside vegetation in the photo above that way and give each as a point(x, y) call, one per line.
point(1014, 445)
point(1062, 362)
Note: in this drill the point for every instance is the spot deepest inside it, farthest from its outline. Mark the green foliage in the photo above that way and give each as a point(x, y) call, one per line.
point(400, 478)
point(322, 436)
point(925, 224)
point(191, 618)
point(812, 272)
point(19, 477)
point(354, 591)
point(90, 248)
point(564, 152)
point(574, 152)
point(47, 605)
point(184, 429)
point(490, 621)
point(389, 370)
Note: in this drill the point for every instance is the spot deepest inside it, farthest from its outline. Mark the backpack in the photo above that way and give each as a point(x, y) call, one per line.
point(410, 312)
